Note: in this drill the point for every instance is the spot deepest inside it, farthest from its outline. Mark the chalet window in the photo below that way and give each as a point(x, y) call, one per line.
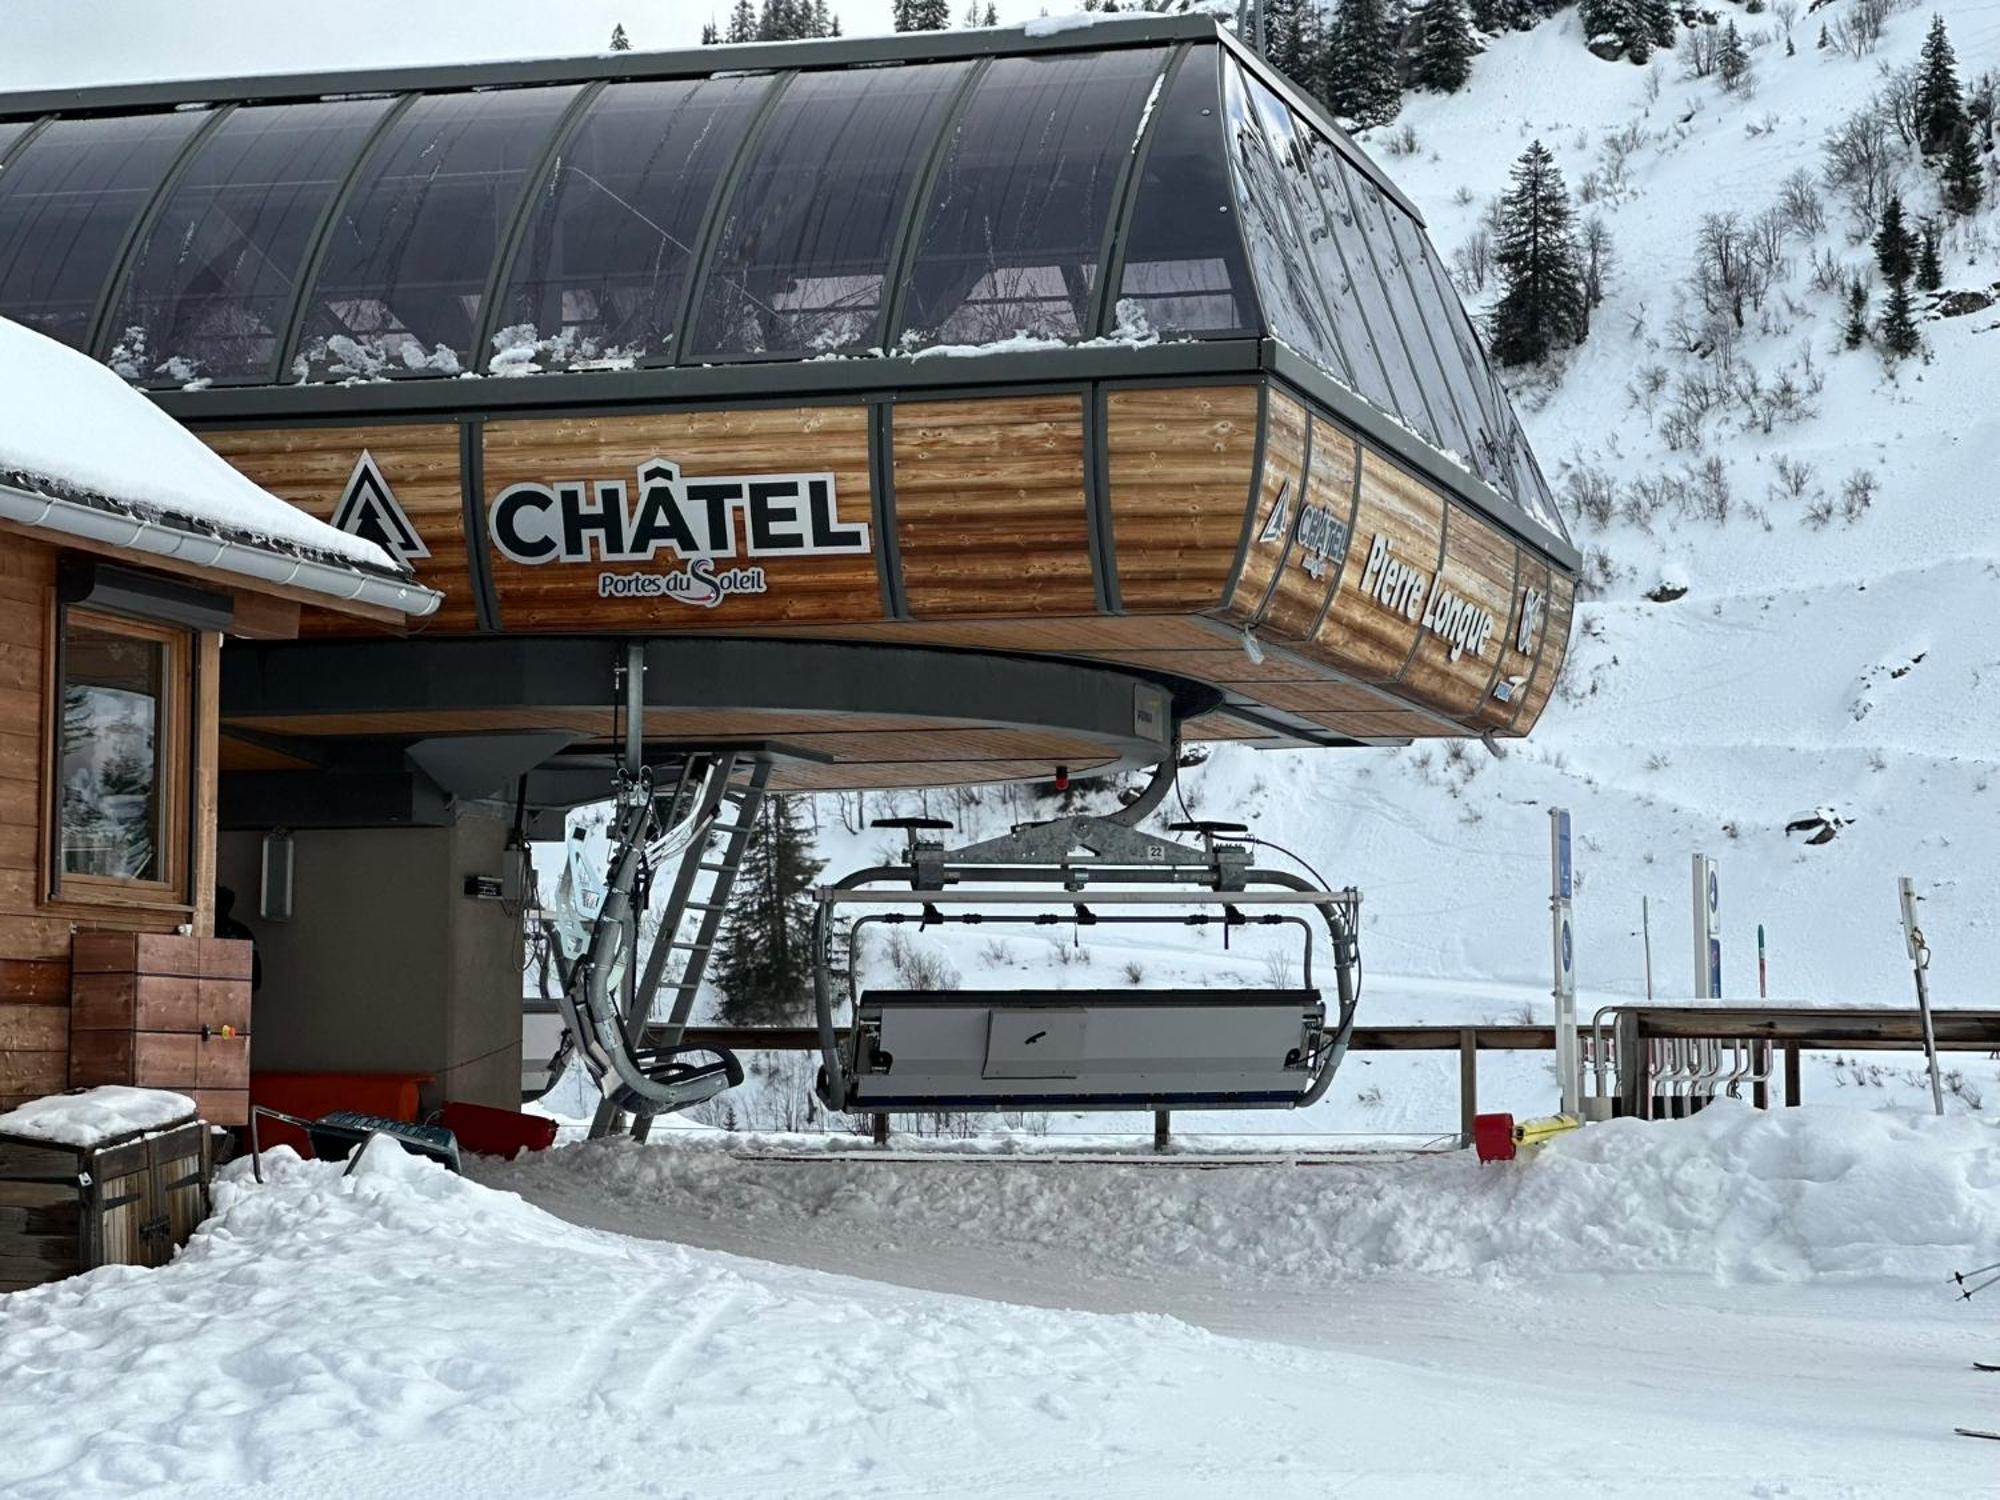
point(124, 736)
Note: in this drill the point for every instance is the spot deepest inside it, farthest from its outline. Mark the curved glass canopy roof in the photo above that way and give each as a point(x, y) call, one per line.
point(1136, 193)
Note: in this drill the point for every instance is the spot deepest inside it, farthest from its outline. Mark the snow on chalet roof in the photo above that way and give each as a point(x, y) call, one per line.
point(72, 429)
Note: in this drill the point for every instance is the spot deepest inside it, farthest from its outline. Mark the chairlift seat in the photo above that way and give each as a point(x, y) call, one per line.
point(1083, 1049)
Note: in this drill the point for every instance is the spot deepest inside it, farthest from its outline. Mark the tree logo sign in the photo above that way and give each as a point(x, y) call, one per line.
point(368, 509)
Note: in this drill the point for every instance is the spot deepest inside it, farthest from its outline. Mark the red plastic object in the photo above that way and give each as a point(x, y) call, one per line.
point(487, 1131)
point(310, 1095)
point(1493, 1137)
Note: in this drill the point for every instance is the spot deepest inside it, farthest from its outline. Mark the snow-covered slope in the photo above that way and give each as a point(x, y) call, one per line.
point(1379, 1330)
point(1840, 665)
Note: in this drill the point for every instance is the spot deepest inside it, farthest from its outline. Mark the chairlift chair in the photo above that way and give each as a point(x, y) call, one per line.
point(1082, 1050)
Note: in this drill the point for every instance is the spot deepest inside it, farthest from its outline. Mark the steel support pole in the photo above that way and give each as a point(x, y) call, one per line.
point(1468, 1082)
point(1163, 1130)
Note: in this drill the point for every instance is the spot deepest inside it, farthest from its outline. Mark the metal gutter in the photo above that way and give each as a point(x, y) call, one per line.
point(162, 538)
point(619, 67)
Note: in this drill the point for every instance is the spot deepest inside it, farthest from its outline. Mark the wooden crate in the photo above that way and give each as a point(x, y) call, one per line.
point(130, 1201)
point(163, 1011)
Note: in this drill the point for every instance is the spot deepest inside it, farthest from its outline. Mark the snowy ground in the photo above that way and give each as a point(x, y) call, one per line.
point(1746, 1305)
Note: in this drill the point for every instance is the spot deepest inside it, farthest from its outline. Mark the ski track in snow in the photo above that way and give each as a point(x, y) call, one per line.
point(970, 1328)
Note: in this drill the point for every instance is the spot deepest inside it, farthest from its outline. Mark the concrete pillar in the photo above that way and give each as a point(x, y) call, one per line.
point(387, 965)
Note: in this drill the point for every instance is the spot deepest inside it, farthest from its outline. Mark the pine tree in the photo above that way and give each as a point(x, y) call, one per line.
point(1824, 41)
point(992, 16)
point(1661, 20)
point(922, 15)
point(764, 960)
point(1964, 177)
point(1899, 325)
point(1930, 275)
point(1443, 57)
point(1360, 82)
point(742, 23)
point(1895, 248)
point(1732, 58)
point(1857, 314)
point(710, 36)
point(1289, 40)
point(1542, 304)
point(621, 42)
point(1939, 106)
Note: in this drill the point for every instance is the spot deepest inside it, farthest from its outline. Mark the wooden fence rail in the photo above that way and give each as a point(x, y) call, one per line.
point(1795, 1029)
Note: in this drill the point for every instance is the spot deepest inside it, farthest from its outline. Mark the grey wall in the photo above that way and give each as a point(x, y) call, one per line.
point(387, 965)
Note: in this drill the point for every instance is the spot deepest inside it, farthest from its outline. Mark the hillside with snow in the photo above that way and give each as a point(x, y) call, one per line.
point(1792, 550)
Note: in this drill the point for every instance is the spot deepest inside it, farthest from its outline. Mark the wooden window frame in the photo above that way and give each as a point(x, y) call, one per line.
point(178, 741)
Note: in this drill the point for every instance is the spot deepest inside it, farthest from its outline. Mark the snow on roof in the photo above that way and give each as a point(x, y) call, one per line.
point(70, 427)
point(93, 1116)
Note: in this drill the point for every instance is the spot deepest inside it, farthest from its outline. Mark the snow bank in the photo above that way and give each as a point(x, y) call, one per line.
point(1735, 1194)
point(96, 1115)
point(403, 1331)
point(75, 426)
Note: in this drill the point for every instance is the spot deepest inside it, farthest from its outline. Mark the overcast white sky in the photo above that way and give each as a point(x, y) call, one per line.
point(67, 43)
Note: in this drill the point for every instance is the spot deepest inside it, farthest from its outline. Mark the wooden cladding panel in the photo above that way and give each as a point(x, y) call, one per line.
point(1267, 525)
point(1555, 645)
point(1517, 665)
point(1364, 635)
point(990, 510)
point(1468, 607)
point(1318, 537)
point(564, 596)
point(1180, 465)
point(311, 467)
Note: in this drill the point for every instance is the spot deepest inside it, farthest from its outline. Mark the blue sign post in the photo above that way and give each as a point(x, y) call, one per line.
point(1707, 930)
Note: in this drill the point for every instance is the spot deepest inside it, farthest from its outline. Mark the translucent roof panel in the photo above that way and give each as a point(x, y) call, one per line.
point(10, 132)
point(1442, 345)
point(410, 250)
point(1293, 308)
point(213, 283)
point(801, 266)
point(1184, 267)
point(1016, 222)
point(68, 202)
point(1375, 356)
point(611, 241)
point(1397, 319)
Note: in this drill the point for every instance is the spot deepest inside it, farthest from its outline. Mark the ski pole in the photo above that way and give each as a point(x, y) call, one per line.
point(1966, 1295)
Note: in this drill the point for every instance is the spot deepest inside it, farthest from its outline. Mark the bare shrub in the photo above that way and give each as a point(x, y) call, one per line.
point(1591, 493)
point(1472, 261)
point(1730, 273)
point(1857, 493)
point(1858, 32)
point(1800, 205)
point(1794, 478)
point(918, 966)
point(1859, 162)
point(1700, 51)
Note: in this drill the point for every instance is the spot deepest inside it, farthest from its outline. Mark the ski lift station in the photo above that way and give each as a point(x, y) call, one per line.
point(889, 413)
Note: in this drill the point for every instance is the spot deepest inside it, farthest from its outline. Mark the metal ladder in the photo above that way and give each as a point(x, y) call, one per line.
point(722, 793)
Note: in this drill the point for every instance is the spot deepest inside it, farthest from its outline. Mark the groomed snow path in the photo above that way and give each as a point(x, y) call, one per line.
point(1412, 1328)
